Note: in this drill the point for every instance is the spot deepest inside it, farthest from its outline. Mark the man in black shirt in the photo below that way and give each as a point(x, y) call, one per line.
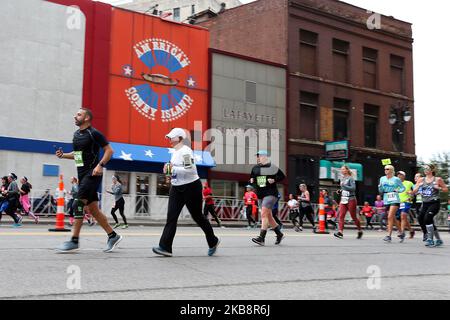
point(265, 176)
point(86, 153)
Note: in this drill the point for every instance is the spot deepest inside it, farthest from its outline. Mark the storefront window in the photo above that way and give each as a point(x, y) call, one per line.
point(221, 188)
point(162, 187)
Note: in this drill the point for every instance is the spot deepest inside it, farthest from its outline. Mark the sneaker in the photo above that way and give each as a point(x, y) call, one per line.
point(297, 229)
point(425, 237)
point(212, 251)
point(258, 240)
point(279, 238)
point(402, 237)
point(429, 243)
point(223, 227)
point(112, 243)
point(339, 235)
point(161, 252)
point(412, 233)
point(249, 227)
point(360, 234)
point(68, 246)
point(116, 225)
point(439, 243)
point(36, 220)
point(20, 220)
point(91, 222)
point(387, 239)
point(17, 225)
point(125, 226)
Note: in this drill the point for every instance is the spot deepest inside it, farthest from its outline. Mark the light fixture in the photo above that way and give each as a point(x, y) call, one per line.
point(407, 115)
point(392, 118)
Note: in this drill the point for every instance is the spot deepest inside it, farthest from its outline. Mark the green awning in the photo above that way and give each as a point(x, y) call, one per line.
point(331, 169)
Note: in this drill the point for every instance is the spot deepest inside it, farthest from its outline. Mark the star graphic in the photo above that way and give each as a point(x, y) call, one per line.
point(149, 153)
point(191, 82)
point(198, 158)
point(125, 156)
point(127, 71)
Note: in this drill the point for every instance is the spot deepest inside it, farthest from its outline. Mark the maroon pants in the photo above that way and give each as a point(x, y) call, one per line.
point(343, 208)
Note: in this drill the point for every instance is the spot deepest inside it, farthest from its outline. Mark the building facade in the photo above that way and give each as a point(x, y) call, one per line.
point(179, 10)
point(350, 72)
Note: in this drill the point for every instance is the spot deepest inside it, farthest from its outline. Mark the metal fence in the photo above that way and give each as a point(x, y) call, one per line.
point(43, 203)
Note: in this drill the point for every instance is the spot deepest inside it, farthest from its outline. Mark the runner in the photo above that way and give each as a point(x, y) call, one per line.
point(390, 186)
point(348, 202)
point(430, 187)
point(406, 200)
point(380, 209)
point(25, 200)
point(329, 211)
point(448, 214)
point(418, 206)
point(209, 205)
point(250, 199)
point(119, 202)
point(294, 212)
point(86, 145)
point(306, 207)
point(266, 175)
point(186, 190)
point(12, 198)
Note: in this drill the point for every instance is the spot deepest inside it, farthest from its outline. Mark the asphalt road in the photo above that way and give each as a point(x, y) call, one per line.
point(305, 266)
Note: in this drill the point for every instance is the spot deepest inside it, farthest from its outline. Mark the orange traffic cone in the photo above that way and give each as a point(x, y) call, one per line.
point(60, 226)
point(322, 215)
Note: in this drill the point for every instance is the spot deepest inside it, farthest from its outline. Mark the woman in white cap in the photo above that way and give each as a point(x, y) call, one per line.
point(186, 190)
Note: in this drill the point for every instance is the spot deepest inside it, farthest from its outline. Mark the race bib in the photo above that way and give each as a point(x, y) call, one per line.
point(261, 181)
point(78, 156)
point(402, 206)
point(344, 200)
point(345, 193)
point(392, 197)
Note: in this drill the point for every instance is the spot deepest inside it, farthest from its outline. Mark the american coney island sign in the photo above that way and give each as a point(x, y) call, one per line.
point(161, 96)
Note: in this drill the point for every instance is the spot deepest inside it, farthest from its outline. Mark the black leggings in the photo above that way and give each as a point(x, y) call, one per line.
point(369, 222)
point(427, 213)
point(209, 208)
point(249, 213)
point(191, 196)
point(119, 205)
point(309, 213)
point(293, 214)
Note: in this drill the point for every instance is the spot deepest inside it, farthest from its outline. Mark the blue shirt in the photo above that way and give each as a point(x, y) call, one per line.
point(391, 189)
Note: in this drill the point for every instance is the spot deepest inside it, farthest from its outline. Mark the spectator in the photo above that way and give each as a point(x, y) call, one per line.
point(380, 210)
point(368, 212)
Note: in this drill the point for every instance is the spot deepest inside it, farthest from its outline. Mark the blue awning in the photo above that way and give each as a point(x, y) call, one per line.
point(140, 153)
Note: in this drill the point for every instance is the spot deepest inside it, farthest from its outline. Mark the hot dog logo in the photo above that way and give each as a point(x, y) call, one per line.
point(163, 60)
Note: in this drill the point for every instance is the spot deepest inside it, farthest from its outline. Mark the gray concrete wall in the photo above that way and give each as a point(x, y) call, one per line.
point(41, 63)
point(41, 81)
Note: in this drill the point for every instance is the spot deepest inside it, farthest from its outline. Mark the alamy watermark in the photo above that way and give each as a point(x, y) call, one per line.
point(74, 18)
point(74, 279)
point(374, 280)
point(374, 21)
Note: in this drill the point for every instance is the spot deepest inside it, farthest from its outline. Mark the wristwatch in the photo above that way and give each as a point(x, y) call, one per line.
point(101, 165)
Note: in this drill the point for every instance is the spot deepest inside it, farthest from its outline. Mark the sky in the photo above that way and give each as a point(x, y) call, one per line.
point(431, 66)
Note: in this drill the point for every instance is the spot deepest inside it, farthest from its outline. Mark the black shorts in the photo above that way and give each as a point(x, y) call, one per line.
point(88, 188)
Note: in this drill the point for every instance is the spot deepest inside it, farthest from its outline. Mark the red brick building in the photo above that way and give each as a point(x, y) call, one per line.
point(344, 79)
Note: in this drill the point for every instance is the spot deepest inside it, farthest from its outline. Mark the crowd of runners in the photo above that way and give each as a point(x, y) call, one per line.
point(393, 206)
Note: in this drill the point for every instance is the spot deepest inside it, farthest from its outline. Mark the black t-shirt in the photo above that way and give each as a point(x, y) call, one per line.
point(86, 148)
point(26, 188)
point(260, 174)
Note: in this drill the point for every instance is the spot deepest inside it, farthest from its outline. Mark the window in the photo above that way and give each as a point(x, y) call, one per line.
point(371, 115)
point(308, 52)
point(340, 60)
point(222, 188)
point(340, 119)
point(397, 74)
point(193, 9)
point(370, 57)
point(162, 187)
point(176, 14)
point(250, 91)
point(309, 103)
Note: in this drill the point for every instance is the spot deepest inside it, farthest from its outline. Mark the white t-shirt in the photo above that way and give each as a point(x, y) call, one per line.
point(293, 204)
point(184, 170)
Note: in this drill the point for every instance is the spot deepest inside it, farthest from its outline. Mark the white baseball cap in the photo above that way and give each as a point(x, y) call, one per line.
point(176, 132)
point(402, 173)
